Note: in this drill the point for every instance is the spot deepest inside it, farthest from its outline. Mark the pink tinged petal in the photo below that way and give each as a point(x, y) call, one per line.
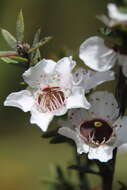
point(22, 99)
point(41, 119)
point(64, 68)
point(121, 131)
point(96, 55)
point(69, 133)
point(77, 99)
point(104, 106)
point(37, 75)
point(102, 153)
point(115, 14)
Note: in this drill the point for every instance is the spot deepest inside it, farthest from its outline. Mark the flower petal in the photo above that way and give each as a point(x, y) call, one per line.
point(77, 99)
point(61, 111)
point(115, 14)
point(97, 78)
point(64, 68)
point(121, 133)
point(81, 146)
point(38, 75)
point(104, 105)
point(96, 55)
point(22, 99)
point(90, 79)
point(41, 119)
point(102, 153)
point(77, 116)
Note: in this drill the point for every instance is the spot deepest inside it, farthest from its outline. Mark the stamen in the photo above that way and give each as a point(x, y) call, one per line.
point(96, 131)
point(51, 99)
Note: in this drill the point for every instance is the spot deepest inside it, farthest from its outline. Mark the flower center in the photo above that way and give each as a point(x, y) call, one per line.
point(51, 99)
point(95, 131)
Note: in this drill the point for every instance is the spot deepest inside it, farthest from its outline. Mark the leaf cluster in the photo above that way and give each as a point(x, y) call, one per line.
point(22, 53)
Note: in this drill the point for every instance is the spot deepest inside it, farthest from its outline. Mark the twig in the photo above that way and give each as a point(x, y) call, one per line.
point(107, 170)
point(84, 185)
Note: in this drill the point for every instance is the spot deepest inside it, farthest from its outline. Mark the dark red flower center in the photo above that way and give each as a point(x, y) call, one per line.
point(51, 99)
point(95, 131)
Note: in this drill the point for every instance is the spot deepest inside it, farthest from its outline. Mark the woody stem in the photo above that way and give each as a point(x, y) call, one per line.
point(107, 172)
point(84, 185)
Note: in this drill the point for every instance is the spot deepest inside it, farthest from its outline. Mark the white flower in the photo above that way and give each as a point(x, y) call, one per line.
point(95, 54)
point(51, 92)
point(96, 131)
point(88, 79)
point(115, 16)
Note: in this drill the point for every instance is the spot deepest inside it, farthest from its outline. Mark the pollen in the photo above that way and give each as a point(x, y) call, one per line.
point(98, 124)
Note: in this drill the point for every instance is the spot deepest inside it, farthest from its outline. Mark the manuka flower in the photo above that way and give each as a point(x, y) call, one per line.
point(115, 17)
point(51, 91)
point(96, 131)
point(88, 79)
point(99, 57)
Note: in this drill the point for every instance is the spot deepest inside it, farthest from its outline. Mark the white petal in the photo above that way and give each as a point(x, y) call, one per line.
point(77, 116)
point(90, 79)
point(123, 148)
point(104, 105)
point(77, 99)
point(41, 119)
point(64, 68)
point(121, 133)
point(102, 153)
point(115, 14)
point(97, 78)
point(81, 146)
point(38, 75)
point(61, 111)
point(22, 99)
point(96, 55)
point(103, 18)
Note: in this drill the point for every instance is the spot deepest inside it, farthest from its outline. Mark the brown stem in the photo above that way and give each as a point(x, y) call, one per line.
point(84, 185)
point(8, 54)
point(108, 173)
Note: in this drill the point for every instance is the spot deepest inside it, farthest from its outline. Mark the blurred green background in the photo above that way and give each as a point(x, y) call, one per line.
point(26, 158)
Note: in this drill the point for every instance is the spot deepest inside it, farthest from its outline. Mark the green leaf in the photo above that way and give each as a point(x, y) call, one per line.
point(12, 55)
point(41, 43)
point(19, 59)
point(36, 56)
point(105, 31)
point(8, 60)
point(36, 37)
point(10, 39)
point(20, 27)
